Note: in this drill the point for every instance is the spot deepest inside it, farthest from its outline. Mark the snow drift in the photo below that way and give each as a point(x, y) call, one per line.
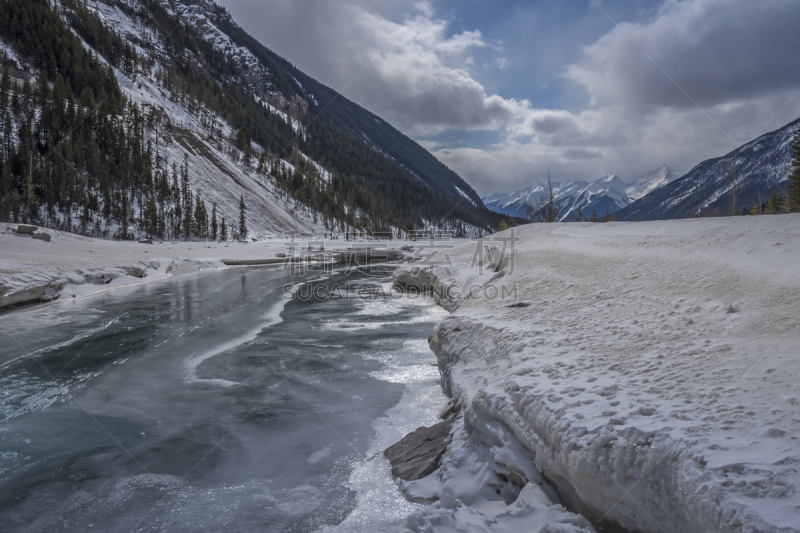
point(643, 375)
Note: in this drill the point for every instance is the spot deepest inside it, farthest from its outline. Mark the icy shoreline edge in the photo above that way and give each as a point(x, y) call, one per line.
point(72, 266)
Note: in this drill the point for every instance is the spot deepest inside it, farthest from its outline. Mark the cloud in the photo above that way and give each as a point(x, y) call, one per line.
point(592, 143)
point(693, 80)
point(582, 153)
point(702, 52)
point(398, 60)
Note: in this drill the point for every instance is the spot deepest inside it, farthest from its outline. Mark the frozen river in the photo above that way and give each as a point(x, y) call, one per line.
point(211, 402)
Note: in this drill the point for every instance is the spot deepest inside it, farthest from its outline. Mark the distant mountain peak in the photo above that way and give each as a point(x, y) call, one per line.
point(651, 181)
point(606, 194)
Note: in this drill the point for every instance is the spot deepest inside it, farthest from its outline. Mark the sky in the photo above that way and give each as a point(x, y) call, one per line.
point(504, 91)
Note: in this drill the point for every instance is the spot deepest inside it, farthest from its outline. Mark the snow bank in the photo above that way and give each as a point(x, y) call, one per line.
point(647, 370)
point(47, 286)
point(33, 270)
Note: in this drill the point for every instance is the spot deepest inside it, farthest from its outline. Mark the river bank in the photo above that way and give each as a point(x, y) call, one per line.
point(643, 375)
point(74, 266)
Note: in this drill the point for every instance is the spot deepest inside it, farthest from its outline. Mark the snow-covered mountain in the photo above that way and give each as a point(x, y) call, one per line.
point(760, 167)
point(606, 194)
point(513, 204)
point(206, 96)
point(650, 182)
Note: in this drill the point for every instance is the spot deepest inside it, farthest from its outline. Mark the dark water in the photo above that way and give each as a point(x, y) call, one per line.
point(213, 402)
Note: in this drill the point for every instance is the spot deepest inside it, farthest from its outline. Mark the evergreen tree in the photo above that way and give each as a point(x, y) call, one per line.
point(261, 169)
point(214, 221)
point(593, 217)
point(242, 221)
point(794, 175)
point(5, 90)
point(200, 218)
point(223, 231)
point(123, 219)
point(8, 139)
point(578, 216)
point(188, 212)
point(150, 217)
point(773, 204)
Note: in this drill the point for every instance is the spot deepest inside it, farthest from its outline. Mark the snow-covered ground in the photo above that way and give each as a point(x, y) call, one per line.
point(71, 265)
point(649, 372)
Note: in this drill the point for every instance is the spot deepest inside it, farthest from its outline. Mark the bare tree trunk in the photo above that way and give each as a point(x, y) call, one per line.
point(546, 208)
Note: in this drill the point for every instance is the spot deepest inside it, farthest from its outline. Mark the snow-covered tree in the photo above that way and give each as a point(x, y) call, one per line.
point(794, 175)
point(242, 220)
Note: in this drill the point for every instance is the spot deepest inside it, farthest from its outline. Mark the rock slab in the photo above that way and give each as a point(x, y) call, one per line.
point(419, 453)
point(25, 229)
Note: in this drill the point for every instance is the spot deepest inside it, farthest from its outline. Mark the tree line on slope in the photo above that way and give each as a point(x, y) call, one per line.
point(780, 201)
point(786, 201)
point(74, 152)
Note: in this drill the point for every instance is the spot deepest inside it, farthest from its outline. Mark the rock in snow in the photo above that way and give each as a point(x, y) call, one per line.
point(420, 452)
point(25, 229)
point(626, 391)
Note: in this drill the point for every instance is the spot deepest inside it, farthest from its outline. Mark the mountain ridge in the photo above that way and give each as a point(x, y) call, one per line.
point(606, 194)
point(760, 167)
point(245, 122)
point(651, 181)
point(359, 121)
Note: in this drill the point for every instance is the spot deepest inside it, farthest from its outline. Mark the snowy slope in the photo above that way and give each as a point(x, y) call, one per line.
point(606, 195)
point(182, 129)
point(760, 166)
point(212, 173)
point(648, 371)
point(650, 182)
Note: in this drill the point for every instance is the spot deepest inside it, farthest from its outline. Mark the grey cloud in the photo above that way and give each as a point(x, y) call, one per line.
point(582, 153)
point(703, 51)
point(681, 137)
point(548, 124)
point(733, 58)
point(392, 57)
